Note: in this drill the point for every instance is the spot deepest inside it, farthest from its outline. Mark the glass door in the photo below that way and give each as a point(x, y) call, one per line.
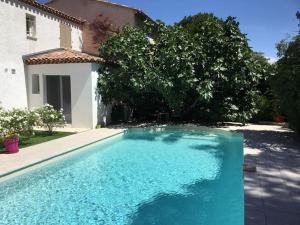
point(58, 94)
point(66, 97)
point(53, 91)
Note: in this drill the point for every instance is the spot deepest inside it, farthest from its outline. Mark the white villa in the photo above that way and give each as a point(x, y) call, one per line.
point(42, 61)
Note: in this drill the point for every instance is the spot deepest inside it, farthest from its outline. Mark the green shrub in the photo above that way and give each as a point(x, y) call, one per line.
point(266, 109)
point(17, 121)
point(50, 118)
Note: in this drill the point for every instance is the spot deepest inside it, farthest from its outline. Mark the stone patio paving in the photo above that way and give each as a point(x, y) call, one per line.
point(272, 194)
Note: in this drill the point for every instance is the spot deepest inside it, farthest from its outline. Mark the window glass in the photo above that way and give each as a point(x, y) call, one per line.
point(35, 84)
point(30, 26)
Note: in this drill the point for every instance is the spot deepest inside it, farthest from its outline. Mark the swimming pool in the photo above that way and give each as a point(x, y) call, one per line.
point(159, 176)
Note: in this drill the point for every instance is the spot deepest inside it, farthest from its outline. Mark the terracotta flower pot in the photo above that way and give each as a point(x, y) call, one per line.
point(11, 145)
point(279, 119)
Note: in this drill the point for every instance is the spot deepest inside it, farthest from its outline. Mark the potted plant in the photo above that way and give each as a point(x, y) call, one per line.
point(11, 143)
point(279, 119)
point(13, 123)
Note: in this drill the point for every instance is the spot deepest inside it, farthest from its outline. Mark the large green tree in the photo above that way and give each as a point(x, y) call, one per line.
point(230, 66)
point(201, 68)
point(153, 62)
point(287, 80)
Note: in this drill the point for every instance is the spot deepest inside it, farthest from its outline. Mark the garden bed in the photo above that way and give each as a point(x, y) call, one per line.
point(39, 137)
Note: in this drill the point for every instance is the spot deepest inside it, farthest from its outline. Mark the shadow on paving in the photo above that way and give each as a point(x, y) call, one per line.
point(272, 194)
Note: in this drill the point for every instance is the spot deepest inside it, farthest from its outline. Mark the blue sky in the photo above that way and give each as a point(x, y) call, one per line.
point(265, 21)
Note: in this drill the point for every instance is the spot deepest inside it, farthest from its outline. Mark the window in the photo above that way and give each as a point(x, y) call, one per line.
point(65, 36)
point(30, 26)
point(35, 84)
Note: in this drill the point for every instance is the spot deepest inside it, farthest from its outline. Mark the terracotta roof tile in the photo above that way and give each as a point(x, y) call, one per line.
point(52, 11)
point(59, 56)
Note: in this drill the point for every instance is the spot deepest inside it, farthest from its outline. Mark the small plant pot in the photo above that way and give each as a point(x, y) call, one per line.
point(11, 145)
point(279, 119)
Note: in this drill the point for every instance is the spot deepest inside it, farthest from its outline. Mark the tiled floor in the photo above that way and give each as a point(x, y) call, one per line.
point(272, 194)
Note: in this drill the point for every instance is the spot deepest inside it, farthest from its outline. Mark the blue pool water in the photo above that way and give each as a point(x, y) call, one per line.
point(158, 176)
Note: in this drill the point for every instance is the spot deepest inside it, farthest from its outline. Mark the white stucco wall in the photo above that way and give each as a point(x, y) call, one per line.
point(87, 108)
point(82, 95)
point(101, 112)
point(14, 44)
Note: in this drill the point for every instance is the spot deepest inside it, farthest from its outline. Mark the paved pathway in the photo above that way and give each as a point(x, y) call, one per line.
point(272, 194)
point(37, 153)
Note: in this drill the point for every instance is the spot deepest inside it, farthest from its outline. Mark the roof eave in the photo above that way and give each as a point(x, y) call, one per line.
point(60, 61)
point(32, 59)
point(53, 11)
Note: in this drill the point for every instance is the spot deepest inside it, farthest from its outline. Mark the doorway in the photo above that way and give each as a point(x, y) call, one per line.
point(58, 94)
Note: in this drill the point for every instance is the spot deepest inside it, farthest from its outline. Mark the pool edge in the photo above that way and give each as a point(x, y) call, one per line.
point(12, 173)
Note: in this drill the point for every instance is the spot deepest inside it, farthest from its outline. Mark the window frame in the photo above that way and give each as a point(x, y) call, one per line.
point(35, 84)
point(30, 24)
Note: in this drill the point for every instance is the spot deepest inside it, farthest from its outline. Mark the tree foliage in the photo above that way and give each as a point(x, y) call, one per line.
point(162, 70)
point(267, 102)
point(287, 81)
point(201, 68)
point(230, 66)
